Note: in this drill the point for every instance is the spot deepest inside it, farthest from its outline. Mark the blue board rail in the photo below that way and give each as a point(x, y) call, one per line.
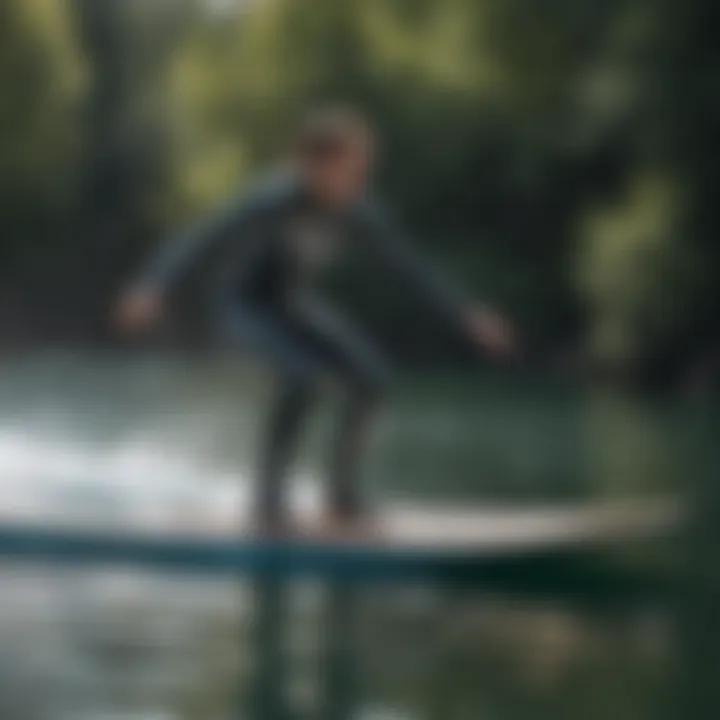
point(541, 567)
point(207, 556)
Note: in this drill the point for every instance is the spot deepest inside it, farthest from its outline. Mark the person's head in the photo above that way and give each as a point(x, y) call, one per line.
point(334, 148)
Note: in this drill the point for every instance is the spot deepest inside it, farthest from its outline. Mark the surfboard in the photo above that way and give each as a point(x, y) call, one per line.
point(401, 540)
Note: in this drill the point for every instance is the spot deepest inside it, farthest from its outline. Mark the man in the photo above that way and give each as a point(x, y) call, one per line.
point(284, 234)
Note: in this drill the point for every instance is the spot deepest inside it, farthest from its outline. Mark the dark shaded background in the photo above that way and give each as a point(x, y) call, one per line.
point(559, 157)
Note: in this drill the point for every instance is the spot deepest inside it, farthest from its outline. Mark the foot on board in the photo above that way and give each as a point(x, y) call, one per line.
point(276, 528)
point(348, 526)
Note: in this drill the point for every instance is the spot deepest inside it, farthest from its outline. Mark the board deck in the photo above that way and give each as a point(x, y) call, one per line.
point(486, 530)
point(402, 541)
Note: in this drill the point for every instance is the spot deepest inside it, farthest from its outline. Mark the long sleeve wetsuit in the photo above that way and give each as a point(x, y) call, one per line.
point(278, 243)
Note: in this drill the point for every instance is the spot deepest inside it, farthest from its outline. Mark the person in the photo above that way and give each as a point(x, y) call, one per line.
point(283, 234)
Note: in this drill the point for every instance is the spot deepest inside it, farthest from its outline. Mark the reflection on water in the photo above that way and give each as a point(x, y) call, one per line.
point(143, 646)
point(162, 444)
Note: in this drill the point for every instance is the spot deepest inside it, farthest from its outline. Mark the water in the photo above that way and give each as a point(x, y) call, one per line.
point(158, 443)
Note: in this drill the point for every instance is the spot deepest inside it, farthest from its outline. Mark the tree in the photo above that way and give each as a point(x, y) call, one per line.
point(41, 83)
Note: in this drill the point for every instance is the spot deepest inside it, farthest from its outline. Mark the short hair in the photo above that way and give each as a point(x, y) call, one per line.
point(328, 131)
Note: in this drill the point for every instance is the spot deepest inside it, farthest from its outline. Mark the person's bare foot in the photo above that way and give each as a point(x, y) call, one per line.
point(280, 528)
point(349, 526)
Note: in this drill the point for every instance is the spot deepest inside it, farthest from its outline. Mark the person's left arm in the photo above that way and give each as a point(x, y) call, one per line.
point(476, 321)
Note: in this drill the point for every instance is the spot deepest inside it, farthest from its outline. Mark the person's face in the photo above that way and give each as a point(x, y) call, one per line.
point(343, 175)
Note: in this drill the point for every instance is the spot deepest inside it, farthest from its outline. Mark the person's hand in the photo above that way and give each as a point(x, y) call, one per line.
point(138, 309)
point(491, 332)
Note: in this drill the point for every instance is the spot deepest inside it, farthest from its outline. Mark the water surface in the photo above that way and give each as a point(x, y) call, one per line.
point(159, 442)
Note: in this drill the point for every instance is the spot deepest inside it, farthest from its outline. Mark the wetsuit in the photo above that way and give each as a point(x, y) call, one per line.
point(278, 242)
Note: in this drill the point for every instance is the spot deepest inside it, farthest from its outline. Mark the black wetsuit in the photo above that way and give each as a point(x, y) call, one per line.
point(278, 243)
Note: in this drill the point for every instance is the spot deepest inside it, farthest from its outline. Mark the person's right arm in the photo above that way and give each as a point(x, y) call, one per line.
point(142, 303)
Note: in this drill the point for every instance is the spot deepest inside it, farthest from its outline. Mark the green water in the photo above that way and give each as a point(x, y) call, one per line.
point(414, 653)
point(469, 436)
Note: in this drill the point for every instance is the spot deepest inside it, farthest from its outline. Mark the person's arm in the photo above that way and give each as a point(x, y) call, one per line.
point(477, 322)
point(142, 302)
point(180, 252)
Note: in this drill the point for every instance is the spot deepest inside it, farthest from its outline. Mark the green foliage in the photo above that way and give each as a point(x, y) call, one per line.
point(635, 271)
point(557, 156)
point(42, 79)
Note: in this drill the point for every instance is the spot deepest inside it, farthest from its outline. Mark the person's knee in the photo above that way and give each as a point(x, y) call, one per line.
point(301, 388)
point(371, 386)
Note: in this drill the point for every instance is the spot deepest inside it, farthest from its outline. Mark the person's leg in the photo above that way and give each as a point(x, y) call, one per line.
point(352, 436)
point(268, 337)
point(363, 375)
point(279, 444)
